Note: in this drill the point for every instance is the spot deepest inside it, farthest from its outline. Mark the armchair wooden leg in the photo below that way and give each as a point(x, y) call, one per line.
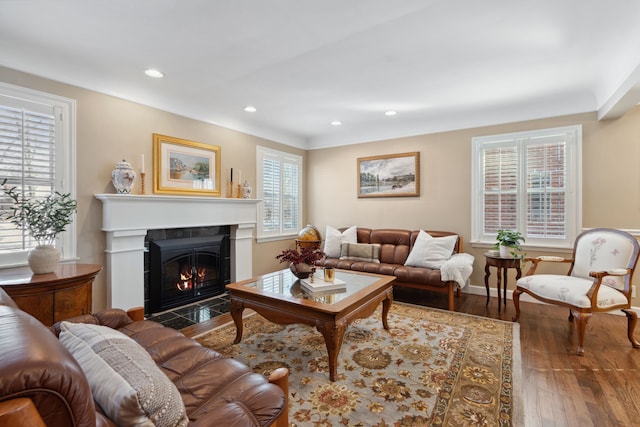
point(516, 303)
point(582, 319)
point(632, 320)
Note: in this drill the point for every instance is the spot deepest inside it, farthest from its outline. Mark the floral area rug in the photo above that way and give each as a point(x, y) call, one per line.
point(431, 368)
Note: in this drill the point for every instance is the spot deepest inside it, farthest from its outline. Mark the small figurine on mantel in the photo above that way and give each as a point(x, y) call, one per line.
point(246, 190)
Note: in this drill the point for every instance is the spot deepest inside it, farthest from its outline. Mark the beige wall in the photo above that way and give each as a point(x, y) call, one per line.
point(611, 181)
point(109, 129)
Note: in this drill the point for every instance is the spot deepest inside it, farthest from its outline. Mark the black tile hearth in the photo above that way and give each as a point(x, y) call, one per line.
point(188, 315)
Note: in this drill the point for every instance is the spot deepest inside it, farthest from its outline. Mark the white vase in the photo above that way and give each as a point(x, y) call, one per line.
point(44, 259)
point(246, 190)
point(123, 177)
point(505, 252)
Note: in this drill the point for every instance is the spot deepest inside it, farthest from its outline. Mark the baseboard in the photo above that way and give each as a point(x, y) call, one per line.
point(493, 292)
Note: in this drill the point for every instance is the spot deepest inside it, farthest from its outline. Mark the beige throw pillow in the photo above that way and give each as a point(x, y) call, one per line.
point(360, 252)
point(124, 379)
point(429, 251)
point(333, 238)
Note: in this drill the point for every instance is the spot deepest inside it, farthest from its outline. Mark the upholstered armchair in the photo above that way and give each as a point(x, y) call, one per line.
point(599, 279)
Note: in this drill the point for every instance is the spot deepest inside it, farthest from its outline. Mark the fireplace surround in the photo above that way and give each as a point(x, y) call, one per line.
point(126, 218)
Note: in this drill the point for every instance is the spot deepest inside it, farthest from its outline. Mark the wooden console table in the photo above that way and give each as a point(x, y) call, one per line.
point(65, 293)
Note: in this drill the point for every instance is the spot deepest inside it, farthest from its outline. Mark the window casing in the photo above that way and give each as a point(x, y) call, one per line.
point(279, 188)
point(37, 155)
point(530, 182)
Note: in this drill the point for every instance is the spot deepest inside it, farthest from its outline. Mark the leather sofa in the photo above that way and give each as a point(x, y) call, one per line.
point(42, 384)
point(395, 246)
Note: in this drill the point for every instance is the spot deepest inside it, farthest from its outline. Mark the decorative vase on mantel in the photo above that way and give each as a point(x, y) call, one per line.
point(300, 270)
point(123, 177)
point(44, 259)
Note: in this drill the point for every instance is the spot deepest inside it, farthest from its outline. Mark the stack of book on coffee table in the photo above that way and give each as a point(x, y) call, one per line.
point(320, 286)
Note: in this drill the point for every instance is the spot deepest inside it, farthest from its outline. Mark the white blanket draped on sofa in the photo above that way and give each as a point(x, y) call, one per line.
point(458, 268)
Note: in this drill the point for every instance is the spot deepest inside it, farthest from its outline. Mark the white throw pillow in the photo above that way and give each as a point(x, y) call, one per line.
point(125, 381)
point(429, 251)
point(334, 238)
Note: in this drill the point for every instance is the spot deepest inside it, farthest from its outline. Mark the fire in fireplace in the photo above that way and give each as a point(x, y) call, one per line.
point(186, 270)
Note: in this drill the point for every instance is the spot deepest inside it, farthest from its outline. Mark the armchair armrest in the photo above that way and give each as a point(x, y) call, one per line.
point(599, 275)
point(535, 261)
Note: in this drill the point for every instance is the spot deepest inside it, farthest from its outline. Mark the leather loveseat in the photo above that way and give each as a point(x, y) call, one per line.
point(395, 246)
point(42, 384)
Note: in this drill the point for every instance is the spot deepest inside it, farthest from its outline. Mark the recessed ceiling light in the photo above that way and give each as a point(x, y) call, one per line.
point(250, 109)
point(390, 113)
point(153, 73)
point(336, 123)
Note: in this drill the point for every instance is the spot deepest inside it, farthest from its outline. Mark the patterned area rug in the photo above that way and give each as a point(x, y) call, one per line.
point(432, 368)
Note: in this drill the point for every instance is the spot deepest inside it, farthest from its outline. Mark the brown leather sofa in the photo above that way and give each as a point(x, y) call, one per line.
point(395, 246)
point(41, 384)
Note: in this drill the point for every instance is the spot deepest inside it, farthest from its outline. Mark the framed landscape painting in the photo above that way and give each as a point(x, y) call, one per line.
point(185, 167)
point(392, 175)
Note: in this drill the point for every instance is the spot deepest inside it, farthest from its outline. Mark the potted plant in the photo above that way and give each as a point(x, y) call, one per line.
point(508, 242)
point(44, 219)
point(302, 261)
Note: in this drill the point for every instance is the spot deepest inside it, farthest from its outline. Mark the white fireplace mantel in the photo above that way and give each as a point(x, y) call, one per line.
point(126, 219)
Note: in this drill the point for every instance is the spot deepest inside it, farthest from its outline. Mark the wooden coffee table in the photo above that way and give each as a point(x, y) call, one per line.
point(279, 298)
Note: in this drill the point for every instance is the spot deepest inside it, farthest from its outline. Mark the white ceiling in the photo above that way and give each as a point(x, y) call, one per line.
point(441, 64)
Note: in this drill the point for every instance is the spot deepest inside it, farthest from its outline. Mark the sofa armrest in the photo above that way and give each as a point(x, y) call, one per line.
point(280, 377)
point(35, 365)
point(20, 412)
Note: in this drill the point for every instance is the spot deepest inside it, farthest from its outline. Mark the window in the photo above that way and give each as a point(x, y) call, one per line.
point(37, 156)
point(530, 182)
point(280, 189)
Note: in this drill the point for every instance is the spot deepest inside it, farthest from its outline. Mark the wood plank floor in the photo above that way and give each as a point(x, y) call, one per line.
point(560, 389)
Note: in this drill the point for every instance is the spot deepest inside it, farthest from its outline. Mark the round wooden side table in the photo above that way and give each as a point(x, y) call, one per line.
point(502, 265)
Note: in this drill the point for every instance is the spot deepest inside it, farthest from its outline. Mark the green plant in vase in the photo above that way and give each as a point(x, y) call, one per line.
point(44, 219)
point(508, 242)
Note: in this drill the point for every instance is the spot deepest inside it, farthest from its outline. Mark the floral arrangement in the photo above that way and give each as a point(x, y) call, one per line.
point(302, 261)
point(304, 255)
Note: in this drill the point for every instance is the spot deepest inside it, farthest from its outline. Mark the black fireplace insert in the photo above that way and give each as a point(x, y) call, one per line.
point(186, 270)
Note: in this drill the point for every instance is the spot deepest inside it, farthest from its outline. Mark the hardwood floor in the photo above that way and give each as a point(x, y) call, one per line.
point(560, 388)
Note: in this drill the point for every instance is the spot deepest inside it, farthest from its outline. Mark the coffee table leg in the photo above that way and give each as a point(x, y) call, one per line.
point(236, 313)
point(386, 305)
point(333, 334)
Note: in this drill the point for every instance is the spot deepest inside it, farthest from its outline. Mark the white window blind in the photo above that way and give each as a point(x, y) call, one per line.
point(530, 182)
point(37, 157)
point(279, 188)
point(27, 144)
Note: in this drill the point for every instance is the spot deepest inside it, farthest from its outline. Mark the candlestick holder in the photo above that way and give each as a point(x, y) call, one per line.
point(239, 192)
point(142, 174)
point(230, 192)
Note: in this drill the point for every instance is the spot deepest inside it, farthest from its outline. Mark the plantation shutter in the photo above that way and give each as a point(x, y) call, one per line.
point(291, 197)
point(271, 194)
point(546, 187)
point(279, 188)
point(500, 183)
point(27, 159)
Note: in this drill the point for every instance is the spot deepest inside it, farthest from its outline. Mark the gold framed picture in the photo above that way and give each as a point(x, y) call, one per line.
point(391, 175)
point(185, 167)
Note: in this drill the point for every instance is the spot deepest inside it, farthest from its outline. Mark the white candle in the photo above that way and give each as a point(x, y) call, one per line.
point(142, 163)
point(239, 176)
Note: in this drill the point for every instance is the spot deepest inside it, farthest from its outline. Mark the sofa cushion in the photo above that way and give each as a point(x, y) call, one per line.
point(360, 252)
point(333, 238)
point(431, 252)
point(124, 379)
